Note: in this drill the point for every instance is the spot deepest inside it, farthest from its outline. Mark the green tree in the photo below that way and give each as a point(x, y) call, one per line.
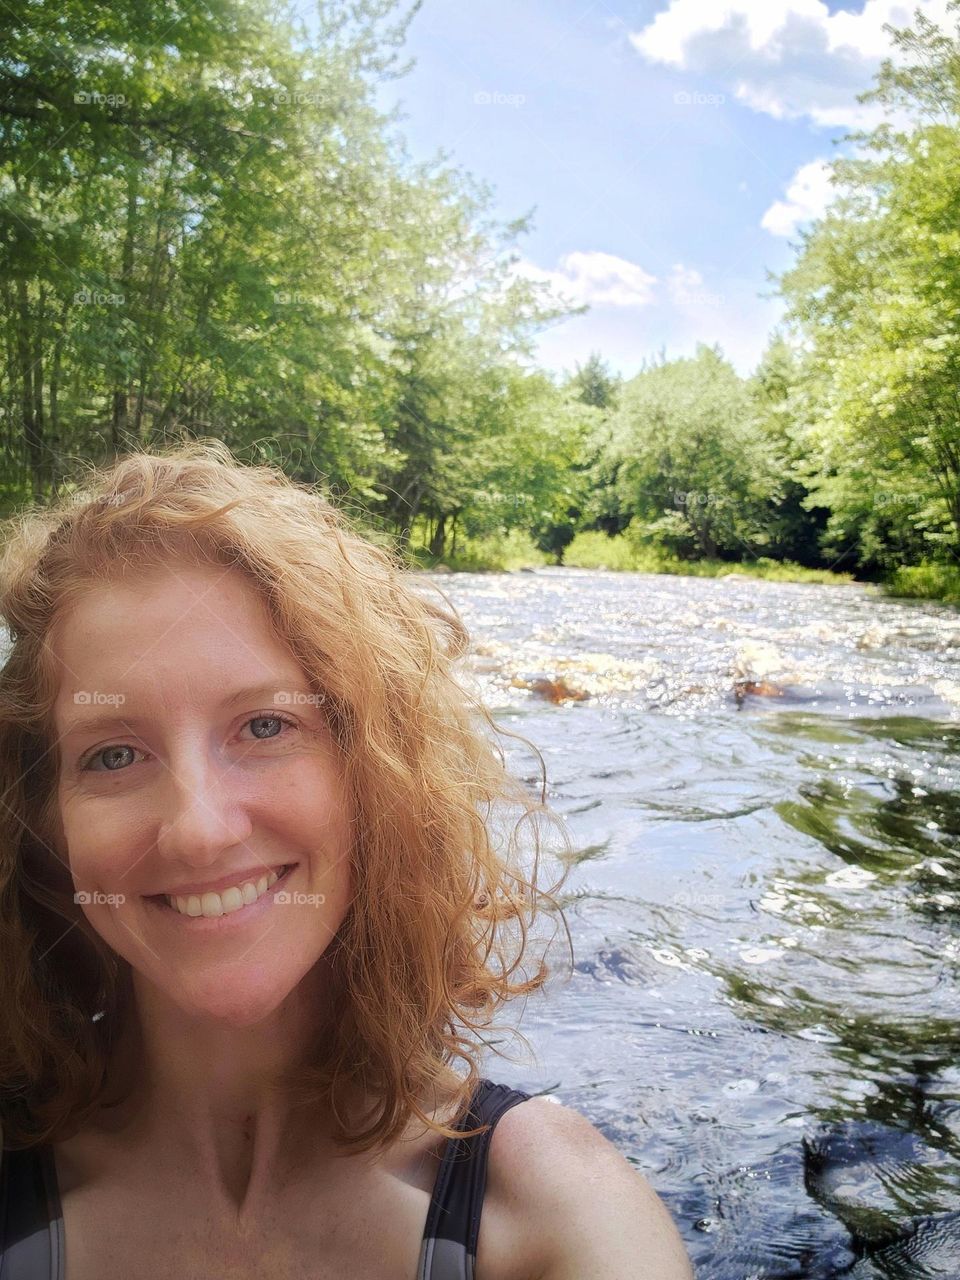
point(876, 295)
point(795, 524)
point(595, 383)
point(692, 471)
point(207, 228)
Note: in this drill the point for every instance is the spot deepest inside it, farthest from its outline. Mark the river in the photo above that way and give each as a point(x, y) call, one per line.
point(760, 783)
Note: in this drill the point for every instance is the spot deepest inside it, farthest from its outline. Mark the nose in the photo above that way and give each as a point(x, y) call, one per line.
point(202, 816)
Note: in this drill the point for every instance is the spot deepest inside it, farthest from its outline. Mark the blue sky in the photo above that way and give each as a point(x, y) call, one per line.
point(670, 149)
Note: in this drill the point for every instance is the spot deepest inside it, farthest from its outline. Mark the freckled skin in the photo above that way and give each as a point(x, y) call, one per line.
point(185, 789)
point(209, 797)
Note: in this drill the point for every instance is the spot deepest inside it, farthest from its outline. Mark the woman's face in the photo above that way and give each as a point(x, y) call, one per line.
point(210, 765)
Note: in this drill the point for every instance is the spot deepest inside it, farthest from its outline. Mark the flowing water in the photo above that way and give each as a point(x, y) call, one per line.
point(760, 782)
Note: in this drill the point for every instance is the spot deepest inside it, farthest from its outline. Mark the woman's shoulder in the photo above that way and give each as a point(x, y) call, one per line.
point(569, 1206)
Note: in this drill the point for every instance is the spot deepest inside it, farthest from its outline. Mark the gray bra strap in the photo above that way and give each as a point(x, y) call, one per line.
point(31, 1220)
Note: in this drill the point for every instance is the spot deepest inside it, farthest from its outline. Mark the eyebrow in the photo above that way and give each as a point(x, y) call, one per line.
point(107, 719)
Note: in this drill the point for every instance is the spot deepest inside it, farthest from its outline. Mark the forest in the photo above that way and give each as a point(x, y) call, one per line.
point(209, 229)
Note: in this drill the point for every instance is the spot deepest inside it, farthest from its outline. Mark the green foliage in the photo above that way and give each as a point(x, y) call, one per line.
point(208, 229)
point(593, 550)
point(493, 552)
point(595, 384)
point(794, 522)
point(875, 293)
point(928, 581)
point(686, 461)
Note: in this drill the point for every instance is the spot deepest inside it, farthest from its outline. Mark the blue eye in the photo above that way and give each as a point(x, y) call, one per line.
point(103, 751)
point(272, 716)
point(87, 761)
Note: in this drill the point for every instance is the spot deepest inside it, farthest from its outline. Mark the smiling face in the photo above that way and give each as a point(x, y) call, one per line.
point(211, 765)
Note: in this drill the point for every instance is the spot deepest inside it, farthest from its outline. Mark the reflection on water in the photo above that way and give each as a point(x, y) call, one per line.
point(761, 783)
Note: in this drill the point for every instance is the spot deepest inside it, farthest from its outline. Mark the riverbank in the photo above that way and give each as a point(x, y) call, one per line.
point(513, 551)
point(926, 582)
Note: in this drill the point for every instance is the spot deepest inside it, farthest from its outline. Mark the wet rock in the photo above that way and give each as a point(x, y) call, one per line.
point(554, 689)
point(758, 688)
point(871, 1175)
point(930, 1246)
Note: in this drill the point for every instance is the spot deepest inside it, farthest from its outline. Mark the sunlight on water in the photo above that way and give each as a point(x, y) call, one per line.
point(760, 780)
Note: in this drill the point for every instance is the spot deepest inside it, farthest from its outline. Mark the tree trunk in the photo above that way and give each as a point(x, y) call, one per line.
point(54, 395)
point(406, 519)
point(38, 415)
point(154, 304)
point(121, 390)
point(32, 431)
point(439, 537)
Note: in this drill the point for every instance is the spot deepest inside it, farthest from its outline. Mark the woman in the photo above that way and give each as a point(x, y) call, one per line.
point(254, 904)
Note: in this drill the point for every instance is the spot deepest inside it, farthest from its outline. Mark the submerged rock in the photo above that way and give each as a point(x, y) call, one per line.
point(553, 689)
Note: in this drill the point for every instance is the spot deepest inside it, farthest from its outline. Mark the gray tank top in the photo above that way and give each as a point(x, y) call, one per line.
point(31, 1217)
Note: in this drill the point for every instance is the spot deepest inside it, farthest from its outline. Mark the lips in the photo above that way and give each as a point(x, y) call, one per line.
point(237, 878)
point(226, 920)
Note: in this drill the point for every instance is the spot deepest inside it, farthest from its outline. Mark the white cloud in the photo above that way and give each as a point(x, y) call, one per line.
point(785, 58)
point(738, 318)
point(808, 194)
point(672, 313)
point(603, 279)
point(596, 278)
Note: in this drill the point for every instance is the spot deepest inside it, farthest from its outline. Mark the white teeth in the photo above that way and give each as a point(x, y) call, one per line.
point(222, 904)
